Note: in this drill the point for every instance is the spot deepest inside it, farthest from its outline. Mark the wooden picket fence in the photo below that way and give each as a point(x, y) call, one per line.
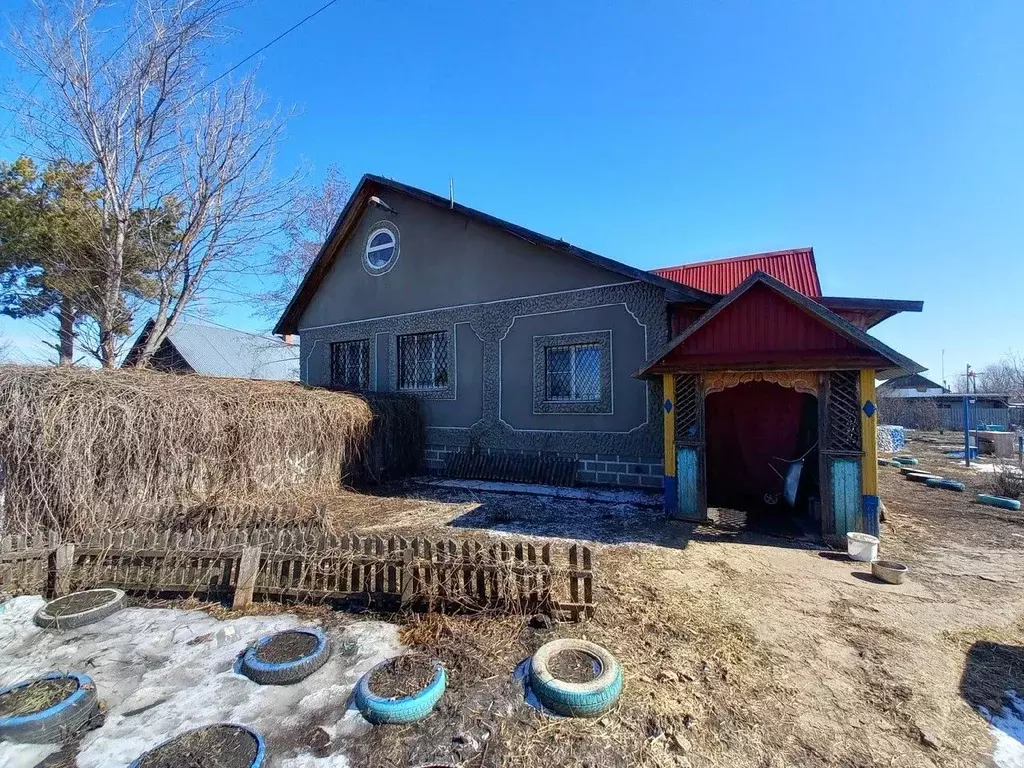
point(24, 563)
point(295, 565)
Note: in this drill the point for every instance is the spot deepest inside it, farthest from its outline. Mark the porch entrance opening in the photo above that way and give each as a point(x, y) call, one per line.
point(754, 432)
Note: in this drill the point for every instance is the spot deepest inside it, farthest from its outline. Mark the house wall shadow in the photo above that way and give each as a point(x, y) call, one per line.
point(605, 523)
point(993, 684)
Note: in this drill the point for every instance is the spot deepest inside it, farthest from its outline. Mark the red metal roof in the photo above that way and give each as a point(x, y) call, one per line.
point(794, 267)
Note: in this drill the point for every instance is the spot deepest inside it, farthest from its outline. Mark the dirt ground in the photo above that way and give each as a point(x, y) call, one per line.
point(738, 649)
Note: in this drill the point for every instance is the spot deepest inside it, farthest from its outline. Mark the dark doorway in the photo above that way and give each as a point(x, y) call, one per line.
point(754, 431)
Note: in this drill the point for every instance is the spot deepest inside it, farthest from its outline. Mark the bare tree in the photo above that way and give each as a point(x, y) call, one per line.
point(316, 211)
point(1005, 377)
point(185, 168)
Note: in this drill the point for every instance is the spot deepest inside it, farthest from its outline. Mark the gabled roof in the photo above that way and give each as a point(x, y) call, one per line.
point(912, 381)
point(370, 186)
point(227, 353)
point(839, 324)
point(795, 267)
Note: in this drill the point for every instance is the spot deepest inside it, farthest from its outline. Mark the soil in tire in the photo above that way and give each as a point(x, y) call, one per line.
point(574, 667)
point(78, 602)
point(37, 696)
point(402, 676)
point(219, 746)
point(286, 646)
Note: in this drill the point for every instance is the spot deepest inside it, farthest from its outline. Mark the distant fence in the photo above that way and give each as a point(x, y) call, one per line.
point(388, 573)
point(953, 418)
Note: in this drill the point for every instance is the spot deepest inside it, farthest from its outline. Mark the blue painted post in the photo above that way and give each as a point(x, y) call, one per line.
point(967, 430)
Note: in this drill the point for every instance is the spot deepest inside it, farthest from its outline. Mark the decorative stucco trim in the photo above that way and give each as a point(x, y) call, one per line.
point(602, 406)
point(801, 381)
point(466, 306)
point(647, 392)
point(467, 426)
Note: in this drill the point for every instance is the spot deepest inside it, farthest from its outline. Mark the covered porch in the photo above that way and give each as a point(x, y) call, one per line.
point(770, 414)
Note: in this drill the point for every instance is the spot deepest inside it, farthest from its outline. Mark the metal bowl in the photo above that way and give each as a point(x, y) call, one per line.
point(889, 571)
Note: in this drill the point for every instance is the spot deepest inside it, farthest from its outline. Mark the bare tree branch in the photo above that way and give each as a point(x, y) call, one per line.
point(185, 173)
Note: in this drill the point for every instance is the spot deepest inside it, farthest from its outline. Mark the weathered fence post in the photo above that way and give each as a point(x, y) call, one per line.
point(407, 585)
point(63, 560)
point(248, 568)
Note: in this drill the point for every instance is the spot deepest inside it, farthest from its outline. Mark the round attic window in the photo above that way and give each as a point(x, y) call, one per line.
point(381, 248)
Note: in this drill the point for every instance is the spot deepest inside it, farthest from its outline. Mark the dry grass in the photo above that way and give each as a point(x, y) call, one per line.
point(82, 449)
point(697, 682)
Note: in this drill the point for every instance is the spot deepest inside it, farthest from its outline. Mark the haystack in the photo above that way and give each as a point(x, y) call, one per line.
point(81, 448)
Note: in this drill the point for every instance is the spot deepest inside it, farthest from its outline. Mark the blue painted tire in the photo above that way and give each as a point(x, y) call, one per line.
point(285, 672)
point(998, 501)
point(408, 709)
point(949, 485)
point(576, 699)
point(907, 461)
point(257, 761)
point(56, 723)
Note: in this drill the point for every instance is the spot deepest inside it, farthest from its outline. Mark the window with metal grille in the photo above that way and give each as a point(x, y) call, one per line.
point(350, 364)
point(423, 361)
point(573, 373)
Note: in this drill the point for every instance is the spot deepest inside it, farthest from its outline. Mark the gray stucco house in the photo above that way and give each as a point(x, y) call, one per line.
point(515, 342)
point(522, 345)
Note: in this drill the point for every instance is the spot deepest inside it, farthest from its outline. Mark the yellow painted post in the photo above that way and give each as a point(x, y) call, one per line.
point(869, 443)
point(868, 428)
point(669, 413)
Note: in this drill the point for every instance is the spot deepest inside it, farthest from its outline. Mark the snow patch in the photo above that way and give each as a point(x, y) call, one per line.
point(613, 496)
point(156, 685)
point(1007, 726)
point(993, 468)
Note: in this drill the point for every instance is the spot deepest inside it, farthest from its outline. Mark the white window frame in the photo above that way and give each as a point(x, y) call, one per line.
point(573, 352)
point(379, 229)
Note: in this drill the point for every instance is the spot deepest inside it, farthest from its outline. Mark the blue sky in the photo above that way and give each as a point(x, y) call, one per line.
point(889, 136)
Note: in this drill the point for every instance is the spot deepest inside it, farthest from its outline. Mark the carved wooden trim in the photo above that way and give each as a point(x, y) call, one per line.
point(801, 381)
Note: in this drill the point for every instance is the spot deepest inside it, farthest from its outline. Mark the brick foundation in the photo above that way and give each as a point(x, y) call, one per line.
point(593, 469)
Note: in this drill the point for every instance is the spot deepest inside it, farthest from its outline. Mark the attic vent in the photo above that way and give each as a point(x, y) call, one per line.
point(512, 468)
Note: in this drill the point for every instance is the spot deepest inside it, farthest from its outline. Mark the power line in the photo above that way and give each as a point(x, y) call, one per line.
point(258, 51)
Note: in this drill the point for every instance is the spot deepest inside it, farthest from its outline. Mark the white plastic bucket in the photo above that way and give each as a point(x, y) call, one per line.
point(862, 547)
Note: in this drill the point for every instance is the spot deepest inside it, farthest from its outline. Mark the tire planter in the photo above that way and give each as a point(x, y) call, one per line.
point(54, 723)
point(66, 612)
point(907, 461)
point(406, 709)
point(998, 501)
point(265, 672)
point(949, 485)
point(163, 754)
point(588, 699)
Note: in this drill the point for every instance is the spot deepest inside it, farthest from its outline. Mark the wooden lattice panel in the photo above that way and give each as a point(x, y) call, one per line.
point(687, 408)
point(843, 412)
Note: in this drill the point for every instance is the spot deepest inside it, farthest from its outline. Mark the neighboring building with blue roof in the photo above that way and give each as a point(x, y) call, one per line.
point(222, 352)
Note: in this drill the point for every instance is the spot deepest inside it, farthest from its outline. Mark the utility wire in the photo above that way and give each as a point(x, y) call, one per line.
point(258, 51)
